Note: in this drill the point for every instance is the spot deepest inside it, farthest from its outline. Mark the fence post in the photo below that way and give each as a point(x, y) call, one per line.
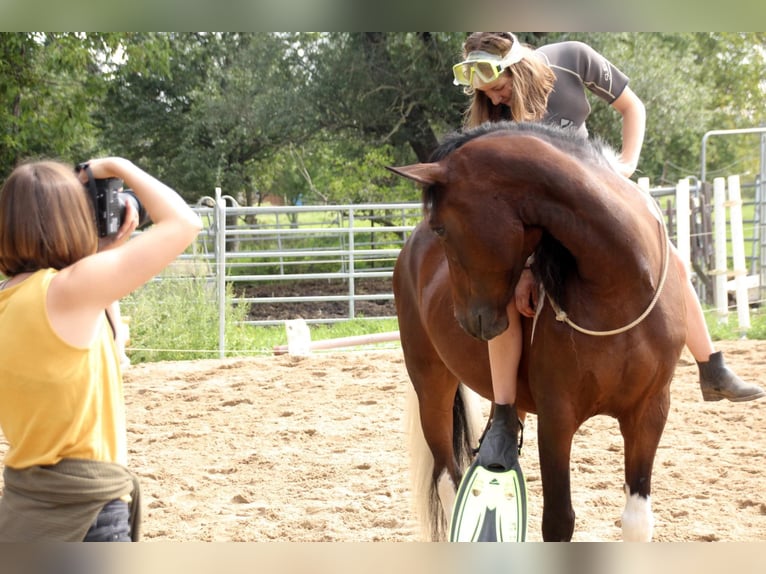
point(738, 254)
point(760, 206)
point(351, 264)
point(683, 223)
point(719, 241)
point(220, 266)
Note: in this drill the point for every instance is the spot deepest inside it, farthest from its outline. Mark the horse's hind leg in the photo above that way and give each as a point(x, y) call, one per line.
point(641, 431)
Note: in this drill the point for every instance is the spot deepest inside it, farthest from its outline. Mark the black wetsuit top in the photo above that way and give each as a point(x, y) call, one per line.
point(578, 66)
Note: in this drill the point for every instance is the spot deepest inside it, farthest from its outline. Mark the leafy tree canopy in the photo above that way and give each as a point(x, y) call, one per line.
point(316, 117)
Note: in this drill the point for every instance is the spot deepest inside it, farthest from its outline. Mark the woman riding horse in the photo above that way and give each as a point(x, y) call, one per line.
point(509, 81)
point(602, 255)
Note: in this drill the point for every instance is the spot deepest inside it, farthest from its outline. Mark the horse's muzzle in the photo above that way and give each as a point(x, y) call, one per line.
point(483, 323)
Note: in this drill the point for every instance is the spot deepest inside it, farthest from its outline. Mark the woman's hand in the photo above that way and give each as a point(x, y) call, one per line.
point(103, 168)
point(633, 113)
point(124, 232)
point(625, 168)
point(526, 294)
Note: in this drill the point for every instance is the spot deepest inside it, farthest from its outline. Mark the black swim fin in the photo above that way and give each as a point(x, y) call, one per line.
point(491, 506)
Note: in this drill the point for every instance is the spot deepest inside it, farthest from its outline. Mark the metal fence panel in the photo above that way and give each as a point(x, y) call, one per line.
point(257, 250)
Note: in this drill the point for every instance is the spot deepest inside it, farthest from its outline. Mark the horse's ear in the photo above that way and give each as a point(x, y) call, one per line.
point(425, 173)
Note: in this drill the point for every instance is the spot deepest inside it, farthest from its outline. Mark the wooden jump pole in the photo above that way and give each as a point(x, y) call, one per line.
point(306, 346)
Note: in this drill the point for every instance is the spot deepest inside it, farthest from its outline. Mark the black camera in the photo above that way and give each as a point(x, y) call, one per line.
point(108, 200)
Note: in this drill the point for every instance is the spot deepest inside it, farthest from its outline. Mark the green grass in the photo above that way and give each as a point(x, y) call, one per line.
point(729, 329)
point(177, 319)
point(174, 320)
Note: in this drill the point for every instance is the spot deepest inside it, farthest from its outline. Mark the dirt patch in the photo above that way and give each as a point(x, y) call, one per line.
point(314, 449)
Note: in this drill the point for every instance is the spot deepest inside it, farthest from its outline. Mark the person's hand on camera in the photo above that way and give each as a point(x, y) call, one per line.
point(101, 168)
point(123, 234)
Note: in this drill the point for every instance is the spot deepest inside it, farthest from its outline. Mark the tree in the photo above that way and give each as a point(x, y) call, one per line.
point(318, 116)
point(377, 89)
point(732, 66)
point(371, 100)
point(396, 87)
point(48, 91)
point(690, 83)
point(222, 104)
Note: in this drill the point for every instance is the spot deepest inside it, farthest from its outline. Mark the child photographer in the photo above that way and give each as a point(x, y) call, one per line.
point(61, 399)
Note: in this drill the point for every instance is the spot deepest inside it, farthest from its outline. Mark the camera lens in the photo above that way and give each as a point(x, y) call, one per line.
point(124, 198)
point(128, 196)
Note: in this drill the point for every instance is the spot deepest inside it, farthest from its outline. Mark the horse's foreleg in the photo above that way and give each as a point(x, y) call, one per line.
point(637, 518)
point(641, 431)
point(554, 436)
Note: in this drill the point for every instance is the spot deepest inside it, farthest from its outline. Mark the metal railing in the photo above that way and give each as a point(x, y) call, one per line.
point(344, 246)
point(325, 245)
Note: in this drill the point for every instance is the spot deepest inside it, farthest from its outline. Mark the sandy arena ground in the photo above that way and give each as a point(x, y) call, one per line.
point(314, 449)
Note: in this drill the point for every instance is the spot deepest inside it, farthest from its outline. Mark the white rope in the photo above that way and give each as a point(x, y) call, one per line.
point(563, 317)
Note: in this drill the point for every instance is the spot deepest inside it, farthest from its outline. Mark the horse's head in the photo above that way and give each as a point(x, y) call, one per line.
point(484, 241)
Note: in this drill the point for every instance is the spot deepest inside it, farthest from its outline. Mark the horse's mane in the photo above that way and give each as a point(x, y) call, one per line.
point(554, 263)
point(566, 139)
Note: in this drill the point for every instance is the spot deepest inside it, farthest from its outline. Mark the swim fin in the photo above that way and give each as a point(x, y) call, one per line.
point(490, 506)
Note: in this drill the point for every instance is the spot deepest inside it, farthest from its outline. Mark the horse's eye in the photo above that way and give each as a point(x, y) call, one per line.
point(438, 230)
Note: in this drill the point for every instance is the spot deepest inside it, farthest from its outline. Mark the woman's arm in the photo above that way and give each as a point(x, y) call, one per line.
point(633, 113)
point(80, 293)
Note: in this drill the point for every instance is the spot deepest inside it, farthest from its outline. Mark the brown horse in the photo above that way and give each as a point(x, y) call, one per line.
point(609, 328)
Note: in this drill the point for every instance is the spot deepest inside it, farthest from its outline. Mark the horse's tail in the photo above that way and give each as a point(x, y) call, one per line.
point(433, 497)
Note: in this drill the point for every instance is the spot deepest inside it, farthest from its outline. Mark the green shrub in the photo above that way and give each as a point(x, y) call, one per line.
point(175, 319)
point(728, 329)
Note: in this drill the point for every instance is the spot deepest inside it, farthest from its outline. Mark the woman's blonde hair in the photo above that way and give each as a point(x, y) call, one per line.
point(46, 219)
point(531, 82)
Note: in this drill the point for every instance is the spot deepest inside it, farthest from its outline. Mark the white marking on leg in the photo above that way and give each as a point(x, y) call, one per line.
point(447, 492)
point(637, 518)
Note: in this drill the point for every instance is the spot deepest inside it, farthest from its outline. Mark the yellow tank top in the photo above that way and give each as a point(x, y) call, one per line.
point(56, 401)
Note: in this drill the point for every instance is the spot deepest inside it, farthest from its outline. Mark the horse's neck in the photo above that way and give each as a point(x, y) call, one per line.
point(604, 230)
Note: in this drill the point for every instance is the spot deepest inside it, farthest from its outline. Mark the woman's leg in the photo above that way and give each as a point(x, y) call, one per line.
point(499, 446)
point(504, 357)
point(717, 381)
